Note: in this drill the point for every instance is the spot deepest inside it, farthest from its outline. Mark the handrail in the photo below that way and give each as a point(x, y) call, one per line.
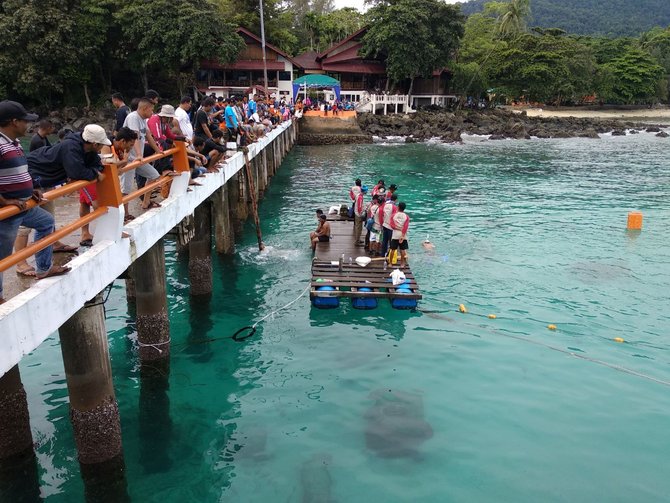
point(109, 195)
point(38, 246)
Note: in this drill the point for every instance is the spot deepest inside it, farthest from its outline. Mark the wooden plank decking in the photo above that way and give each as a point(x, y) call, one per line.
point(326, 270)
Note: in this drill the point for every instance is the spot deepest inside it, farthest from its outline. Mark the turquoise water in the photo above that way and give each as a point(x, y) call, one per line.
point(464, 408)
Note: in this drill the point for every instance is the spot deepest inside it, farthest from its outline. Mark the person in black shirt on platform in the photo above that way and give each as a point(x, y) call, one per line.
point(122, 110)
point(201, 122)
point(40, 138)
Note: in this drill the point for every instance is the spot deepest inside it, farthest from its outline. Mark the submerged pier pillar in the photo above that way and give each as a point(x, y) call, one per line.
point(94, 412)
point(200, 252)
point(18, 466)
point(153, 325)
point(224, 241)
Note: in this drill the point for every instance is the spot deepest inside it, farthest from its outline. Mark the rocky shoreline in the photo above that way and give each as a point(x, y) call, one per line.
point(496, 124)
point(77, 119)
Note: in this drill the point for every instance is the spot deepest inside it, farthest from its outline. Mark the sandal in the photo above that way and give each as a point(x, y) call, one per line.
point(29, 271)
point(65, 249)
point(128, 218)
point(152, 205)
point(86, 242)
point(57, 270)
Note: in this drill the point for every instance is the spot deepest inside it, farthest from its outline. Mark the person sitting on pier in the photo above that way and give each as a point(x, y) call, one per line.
point(322, 234)
point(319, 223)
point(121, 145)
point(387, 210)
point(400, 225)
point(211, 149)
point(16, 188)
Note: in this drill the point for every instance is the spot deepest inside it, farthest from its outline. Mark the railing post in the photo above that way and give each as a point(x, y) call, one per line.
point(180, 165)
point(109, 226)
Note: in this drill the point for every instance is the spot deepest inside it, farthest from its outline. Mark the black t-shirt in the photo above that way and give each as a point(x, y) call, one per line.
point(121, 114)
point(212, 145)
point(37, 142)
point(201, 117)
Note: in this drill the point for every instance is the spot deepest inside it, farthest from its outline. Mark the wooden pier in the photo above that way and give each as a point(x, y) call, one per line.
point(348, 279)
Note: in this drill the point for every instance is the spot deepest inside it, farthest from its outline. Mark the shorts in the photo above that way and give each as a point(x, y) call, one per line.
point(145, 170)
point(374, 236)
point(88, 194)
point(395, 243)
point(324, 239)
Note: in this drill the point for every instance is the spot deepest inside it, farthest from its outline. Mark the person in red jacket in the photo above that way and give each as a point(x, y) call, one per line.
point(400, 225)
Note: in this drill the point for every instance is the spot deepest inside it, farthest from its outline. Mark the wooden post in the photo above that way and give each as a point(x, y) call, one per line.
point(200, 252)
point(153, 325)
point(254, 202)
point(224, 241)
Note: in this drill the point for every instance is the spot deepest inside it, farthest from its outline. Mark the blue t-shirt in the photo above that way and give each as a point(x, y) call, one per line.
point(231, 119)
point(251, 110)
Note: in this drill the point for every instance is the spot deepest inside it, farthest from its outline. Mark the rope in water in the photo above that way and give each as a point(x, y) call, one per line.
point(597, 361)
point(251, 329)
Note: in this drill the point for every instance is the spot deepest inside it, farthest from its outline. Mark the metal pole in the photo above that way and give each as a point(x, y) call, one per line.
point(265, 63)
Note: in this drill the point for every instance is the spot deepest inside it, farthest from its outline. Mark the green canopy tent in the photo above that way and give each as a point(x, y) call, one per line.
point(316, 81)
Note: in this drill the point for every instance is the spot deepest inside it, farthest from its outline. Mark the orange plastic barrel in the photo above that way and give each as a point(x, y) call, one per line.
point(634, 221)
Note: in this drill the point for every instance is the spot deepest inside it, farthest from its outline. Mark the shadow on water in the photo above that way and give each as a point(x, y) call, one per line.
point(106, 482)
point(19, 481)
point(155, 422)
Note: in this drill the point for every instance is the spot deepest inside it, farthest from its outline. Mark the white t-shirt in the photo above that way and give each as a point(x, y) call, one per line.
point(184, 123)
point(139, 125)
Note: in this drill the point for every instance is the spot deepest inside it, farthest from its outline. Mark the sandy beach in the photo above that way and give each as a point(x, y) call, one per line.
point(659, 115)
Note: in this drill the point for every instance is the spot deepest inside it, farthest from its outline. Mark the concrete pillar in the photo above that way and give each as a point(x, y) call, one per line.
point(244, 196)
point(271, 159)
point(130, 285)
point(264, 178)
point(19, 480)
point(233, 187)
point(153, 325)
point(200, 252)
point(155, 423)
point(224, 241)
point(93, 409)
point(15, 435)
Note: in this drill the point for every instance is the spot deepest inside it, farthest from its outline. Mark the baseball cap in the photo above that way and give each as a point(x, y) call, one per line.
point(95, 134)
point(12, 110)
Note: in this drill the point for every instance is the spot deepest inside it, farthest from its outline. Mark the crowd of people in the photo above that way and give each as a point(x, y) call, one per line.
point(383, 217)
point(325, 106)
point(140, 129)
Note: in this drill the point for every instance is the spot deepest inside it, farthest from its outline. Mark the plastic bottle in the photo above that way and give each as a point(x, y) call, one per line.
point(385, 265)
point(351, 261)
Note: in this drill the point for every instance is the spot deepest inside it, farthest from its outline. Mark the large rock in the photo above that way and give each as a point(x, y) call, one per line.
point(662, 134)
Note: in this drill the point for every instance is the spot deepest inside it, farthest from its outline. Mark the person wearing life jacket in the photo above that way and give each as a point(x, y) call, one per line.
point(355, 190)
point(375, 232)
point(400, 225)
point(359, 215)
point(378, 189)
point(391, 191)
point(387, 210)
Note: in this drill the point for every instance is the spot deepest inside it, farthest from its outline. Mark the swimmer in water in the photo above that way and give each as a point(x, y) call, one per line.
point(427, 245)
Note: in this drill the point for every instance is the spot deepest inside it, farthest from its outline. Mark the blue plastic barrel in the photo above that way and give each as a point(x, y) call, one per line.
point(326, 302)
point(364, 302)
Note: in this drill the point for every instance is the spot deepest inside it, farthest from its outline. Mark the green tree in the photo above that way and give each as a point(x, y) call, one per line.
point(512, 21)
point(634, 78)
point(414, 36)
point(160, 41)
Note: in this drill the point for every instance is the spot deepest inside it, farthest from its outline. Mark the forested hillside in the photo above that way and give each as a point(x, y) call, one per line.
point(593, 17)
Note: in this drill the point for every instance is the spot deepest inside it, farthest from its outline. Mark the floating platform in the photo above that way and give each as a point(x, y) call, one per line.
point(364, 285)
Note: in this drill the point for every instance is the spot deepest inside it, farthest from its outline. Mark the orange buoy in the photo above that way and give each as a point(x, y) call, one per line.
point(551, 327)
point(634, 221)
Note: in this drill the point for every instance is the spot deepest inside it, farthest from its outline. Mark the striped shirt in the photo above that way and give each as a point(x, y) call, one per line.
point(15, 181)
